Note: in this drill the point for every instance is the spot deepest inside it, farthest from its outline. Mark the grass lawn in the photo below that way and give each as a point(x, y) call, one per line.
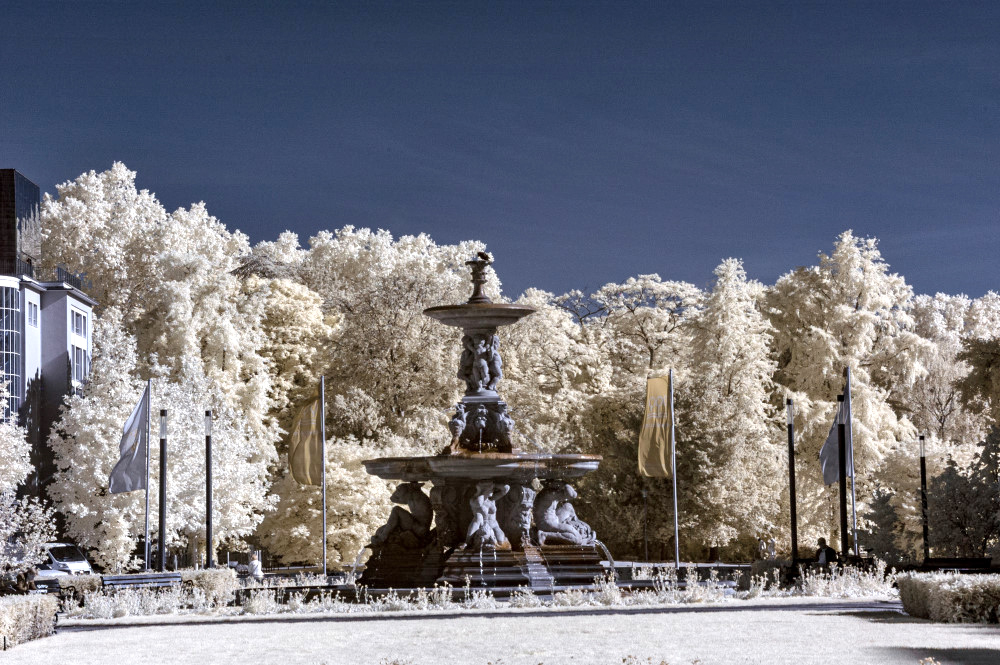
point(797, 631)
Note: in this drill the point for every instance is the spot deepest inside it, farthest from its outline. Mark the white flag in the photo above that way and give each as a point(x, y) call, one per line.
point(829, 454)
point(129, 473)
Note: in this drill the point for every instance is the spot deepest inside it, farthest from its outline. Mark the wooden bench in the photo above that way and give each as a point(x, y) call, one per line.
point(46, 585)
point(956, 563)
point(141, 581)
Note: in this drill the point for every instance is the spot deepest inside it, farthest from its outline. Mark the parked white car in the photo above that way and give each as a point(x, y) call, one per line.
point(63, 559)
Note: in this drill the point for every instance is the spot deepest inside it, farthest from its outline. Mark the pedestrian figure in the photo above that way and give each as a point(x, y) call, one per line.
point(825, 554)
point(256, 569)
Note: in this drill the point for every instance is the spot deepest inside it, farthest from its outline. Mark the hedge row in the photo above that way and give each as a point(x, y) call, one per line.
point(24, 618)
point(950, 597)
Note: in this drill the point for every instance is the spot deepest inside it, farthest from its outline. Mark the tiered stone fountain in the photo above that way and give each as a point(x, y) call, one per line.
point(495, 516)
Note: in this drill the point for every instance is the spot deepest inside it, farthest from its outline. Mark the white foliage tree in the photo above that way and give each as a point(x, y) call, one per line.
point(86, 441)
point(86, 444)
point(15, 451)
point(848, 311)
point(25, 524)
point(249, 331)
point(733, 425)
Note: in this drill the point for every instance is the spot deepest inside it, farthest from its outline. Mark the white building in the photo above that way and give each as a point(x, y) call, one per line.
point(45, 327)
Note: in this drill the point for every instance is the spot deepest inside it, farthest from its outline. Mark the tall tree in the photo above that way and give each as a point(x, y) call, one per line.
point(849, 311)
point(733, 424)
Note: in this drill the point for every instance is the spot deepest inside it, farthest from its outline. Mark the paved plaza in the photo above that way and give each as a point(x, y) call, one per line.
point(773, 632)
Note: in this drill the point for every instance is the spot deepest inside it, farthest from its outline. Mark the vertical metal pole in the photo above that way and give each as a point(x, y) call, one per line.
point(645, 541)
point(208, 490)
point(163, 492)
point(923, 499)
point(791, 480)
point(842, 459)
point(854, 474)
point(322, 437)
point(673, 473)
point(149, 388)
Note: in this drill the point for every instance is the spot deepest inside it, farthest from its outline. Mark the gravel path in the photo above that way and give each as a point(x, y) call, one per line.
point(794, 631)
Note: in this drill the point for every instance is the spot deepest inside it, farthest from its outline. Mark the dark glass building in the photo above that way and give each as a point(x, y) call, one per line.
point(20, 224)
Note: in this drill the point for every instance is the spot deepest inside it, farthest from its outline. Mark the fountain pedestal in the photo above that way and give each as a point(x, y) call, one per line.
point(494, 515)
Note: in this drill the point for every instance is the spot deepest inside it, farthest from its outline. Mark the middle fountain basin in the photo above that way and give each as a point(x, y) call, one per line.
point(519, 468)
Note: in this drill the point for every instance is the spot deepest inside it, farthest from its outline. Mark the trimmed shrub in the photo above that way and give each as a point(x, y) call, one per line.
point(219, 584)
point(24, 618)
point(950, 597)
point(77, 586)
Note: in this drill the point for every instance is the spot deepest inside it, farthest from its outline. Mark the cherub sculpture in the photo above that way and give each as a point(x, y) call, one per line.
point(408, 527)
point(555, 518)
point(495, 363)
point(484, 531)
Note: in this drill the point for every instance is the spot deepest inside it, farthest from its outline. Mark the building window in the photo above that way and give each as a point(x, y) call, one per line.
point(79, 365)
point(33, 314)
point(79, 323)
point(10, 347)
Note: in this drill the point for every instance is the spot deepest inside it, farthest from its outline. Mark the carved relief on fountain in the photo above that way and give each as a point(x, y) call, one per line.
point(556, 522)
point(480, 427)
point(480, 365)
point(445, 499)
point(407, 528)
point(515, 513)
point(484, 530)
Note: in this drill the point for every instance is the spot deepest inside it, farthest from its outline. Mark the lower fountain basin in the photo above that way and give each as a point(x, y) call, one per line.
point(513, 467)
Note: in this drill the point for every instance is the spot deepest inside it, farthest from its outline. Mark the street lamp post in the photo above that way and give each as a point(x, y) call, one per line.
point(790, 410)
point(923, 498)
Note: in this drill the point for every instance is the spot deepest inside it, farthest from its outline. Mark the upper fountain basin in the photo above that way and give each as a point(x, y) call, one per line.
point(479, 315)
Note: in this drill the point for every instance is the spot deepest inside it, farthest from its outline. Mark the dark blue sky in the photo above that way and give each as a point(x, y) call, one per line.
point(584, 142)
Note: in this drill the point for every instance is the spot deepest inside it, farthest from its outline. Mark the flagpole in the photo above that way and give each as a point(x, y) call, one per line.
point(322, 436)
point(854, 475)
point(163, 492)
point(149, 390)
point(842, 468)
point(673, 473)
point(923, 499)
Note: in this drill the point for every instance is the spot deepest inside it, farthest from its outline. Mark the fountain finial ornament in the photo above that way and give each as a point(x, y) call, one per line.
point(479, 263)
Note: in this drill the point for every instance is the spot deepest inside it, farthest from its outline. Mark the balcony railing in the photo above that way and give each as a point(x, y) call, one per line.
point(63, 275)
point(16, 268)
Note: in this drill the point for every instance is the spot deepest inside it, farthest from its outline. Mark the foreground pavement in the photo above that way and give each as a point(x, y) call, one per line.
point(773, 632)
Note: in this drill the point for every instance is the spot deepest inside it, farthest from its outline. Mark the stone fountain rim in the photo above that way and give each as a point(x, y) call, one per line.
point(505, 310)
point(471, 467)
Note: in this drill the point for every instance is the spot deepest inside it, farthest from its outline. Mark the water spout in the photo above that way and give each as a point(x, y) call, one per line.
point(604, 549)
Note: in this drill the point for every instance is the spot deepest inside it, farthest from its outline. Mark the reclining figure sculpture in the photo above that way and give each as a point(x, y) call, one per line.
point(556, 522)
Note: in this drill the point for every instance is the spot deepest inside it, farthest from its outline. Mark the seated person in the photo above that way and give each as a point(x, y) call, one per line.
point(825, 554)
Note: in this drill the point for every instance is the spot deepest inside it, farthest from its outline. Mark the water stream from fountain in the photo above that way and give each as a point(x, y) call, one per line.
point(357, 561)
point(604, 549)
point(482, 577)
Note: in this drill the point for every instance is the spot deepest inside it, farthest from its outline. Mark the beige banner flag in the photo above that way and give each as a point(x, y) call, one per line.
point(305, 445)
point(656, 437)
